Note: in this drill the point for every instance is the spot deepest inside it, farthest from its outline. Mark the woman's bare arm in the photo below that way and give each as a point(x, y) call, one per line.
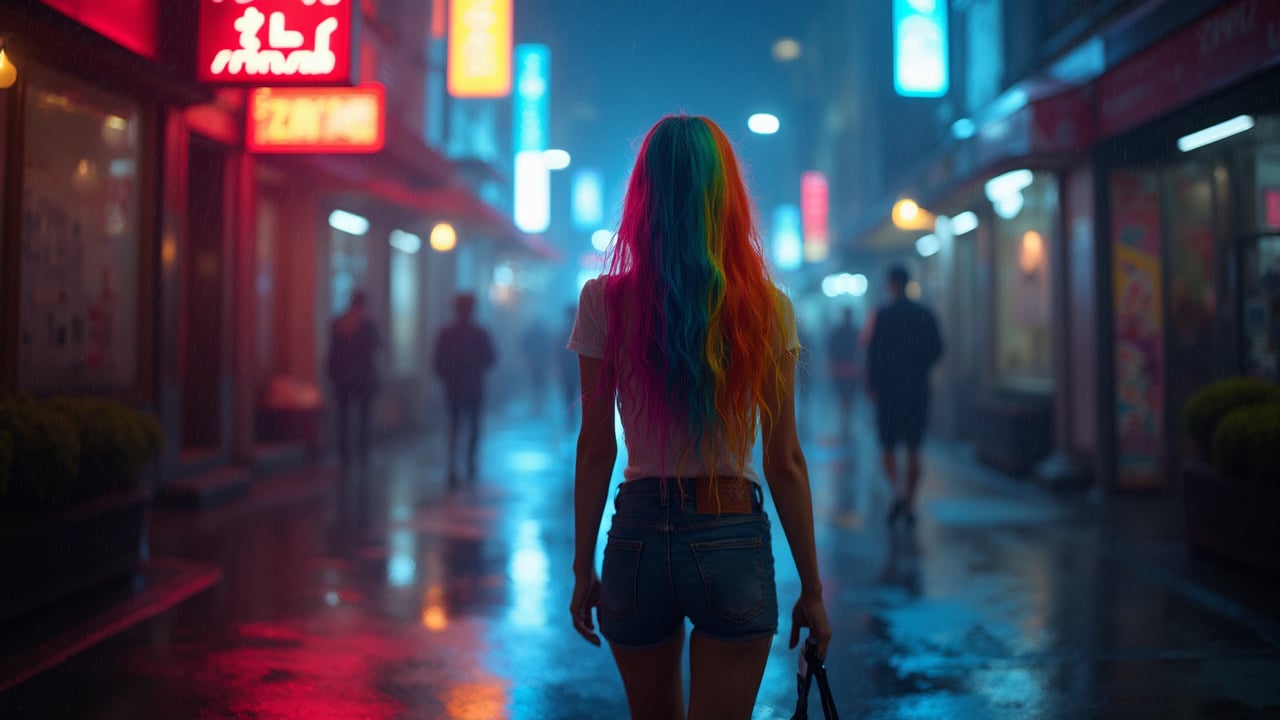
point(787, 474)
point(597, 453)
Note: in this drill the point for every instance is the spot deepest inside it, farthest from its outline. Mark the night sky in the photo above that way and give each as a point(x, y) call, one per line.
point(619, 65)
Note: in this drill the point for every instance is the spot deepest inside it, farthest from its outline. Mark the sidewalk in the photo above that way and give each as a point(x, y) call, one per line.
point(386, 595)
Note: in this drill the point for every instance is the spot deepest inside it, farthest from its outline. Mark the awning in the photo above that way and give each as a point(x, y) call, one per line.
point(1036, 125)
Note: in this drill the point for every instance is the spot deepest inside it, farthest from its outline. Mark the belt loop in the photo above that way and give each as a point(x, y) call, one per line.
point(664, 497)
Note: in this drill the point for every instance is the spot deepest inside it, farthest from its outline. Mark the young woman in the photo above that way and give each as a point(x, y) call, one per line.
point(697, 348)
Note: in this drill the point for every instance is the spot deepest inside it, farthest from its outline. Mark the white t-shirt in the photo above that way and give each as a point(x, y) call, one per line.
point(644, 456)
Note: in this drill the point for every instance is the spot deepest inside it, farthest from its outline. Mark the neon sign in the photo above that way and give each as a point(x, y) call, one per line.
point(814, 212)
point(532, 97)
point(317, 120)
point(920, 66)
point(282, 42)
point(479, 48)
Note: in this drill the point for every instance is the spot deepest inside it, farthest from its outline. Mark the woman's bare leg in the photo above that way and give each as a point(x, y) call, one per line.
point(725, 677)
point(652, 677)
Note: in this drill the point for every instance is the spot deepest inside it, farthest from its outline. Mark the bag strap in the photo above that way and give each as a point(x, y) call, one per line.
point(813, 667)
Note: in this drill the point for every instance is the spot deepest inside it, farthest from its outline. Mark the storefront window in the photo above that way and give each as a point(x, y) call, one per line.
point(348, 268)
point(1024, 234)
point(404, 311)
point(80, 239)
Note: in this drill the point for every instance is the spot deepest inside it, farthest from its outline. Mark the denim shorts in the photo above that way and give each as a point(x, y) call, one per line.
point(664, 562)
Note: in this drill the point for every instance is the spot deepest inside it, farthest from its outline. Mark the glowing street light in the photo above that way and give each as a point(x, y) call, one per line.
point(908, 215)
point(443, 237)
point(763, 124)
point(555, 159)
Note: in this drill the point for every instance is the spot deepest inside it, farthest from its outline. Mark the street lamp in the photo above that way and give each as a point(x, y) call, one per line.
point(908, 215)
point(763, 124)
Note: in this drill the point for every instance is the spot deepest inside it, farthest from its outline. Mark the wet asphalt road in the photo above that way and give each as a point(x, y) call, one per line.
point(388, 595)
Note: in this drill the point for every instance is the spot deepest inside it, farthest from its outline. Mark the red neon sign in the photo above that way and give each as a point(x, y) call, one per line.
point(814, 210)
point(280, 42)
point(317, 120)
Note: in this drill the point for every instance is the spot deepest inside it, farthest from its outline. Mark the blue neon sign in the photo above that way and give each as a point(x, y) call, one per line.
point(920, 57)
point(532, 97)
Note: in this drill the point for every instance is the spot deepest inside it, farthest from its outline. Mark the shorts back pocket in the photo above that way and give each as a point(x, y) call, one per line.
point(733, 576)
point(619, 577)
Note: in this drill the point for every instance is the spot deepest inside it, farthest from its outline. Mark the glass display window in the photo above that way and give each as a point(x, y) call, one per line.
point(1024, 234)
point(80, 243)
point(405, 318)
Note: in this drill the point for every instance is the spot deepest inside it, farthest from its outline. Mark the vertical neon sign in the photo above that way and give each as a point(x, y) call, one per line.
point(479, 48)
point(920, 62)
point(531, 104)
point(813, 215)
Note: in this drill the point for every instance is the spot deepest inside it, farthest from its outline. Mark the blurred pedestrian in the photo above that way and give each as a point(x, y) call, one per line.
point(905, 344)
point(463, 354)
point(692, 363)
point(353, 342)
point(537, 347)
point(842, 361)
point(567, 369)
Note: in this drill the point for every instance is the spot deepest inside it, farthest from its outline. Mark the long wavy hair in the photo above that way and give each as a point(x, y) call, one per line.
point(700, 320)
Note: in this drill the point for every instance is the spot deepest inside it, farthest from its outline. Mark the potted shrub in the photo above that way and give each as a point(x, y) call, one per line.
point(1232, 487)
point(73, 504)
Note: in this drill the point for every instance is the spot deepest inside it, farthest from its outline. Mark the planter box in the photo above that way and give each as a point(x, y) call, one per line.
point(48, 557)
point(1232, 519)
point(1012, 433)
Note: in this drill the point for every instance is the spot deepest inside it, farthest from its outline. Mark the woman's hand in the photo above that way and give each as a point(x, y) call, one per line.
point(810, 612)
point(586, 595)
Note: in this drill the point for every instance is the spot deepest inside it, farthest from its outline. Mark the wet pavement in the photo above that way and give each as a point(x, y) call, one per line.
point(386, 594)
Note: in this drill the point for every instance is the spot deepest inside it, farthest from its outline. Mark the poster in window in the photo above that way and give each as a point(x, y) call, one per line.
point(1137, 278)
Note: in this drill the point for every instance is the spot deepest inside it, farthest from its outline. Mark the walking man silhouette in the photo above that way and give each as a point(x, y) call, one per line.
point(905, 344)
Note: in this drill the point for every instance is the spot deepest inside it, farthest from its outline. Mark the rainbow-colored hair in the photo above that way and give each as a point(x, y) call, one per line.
point(687, 285)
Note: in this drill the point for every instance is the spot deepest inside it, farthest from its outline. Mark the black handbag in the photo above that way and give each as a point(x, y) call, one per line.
point(812, 668)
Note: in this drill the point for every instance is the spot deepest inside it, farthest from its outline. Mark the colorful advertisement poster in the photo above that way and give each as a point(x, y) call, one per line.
point(1137, 278)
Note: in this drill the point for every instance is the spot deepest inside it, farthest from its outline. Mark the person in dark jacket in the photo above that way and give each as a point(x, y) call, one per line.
point(353, 341)
point(463, 353)
point(904, 346)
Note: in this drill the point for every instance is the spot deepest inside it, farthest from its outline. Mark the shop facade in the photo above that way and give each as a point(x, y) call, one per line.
point(151, 254)
point(1189, 187)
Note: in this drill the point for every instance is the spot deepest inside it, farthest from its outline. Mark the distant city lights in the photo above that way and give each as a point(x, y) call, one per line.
point(965, 222)
point(844, 284)
point(785, 240)
point(786, 50)
point(443, 237)
point(405, 242)
point(349, 223)
point(555, 159)
point(601, 239)
point(1005, 192)
point(928, 245)
point(763, 124)
point(587, 199)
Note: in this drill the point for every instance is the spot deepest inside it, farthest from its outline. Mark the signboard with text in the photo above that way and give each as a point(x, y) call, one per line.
point(480, 37)
point(277, 42)
point(317, 120)
point(814, 213)
point(920, 54)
